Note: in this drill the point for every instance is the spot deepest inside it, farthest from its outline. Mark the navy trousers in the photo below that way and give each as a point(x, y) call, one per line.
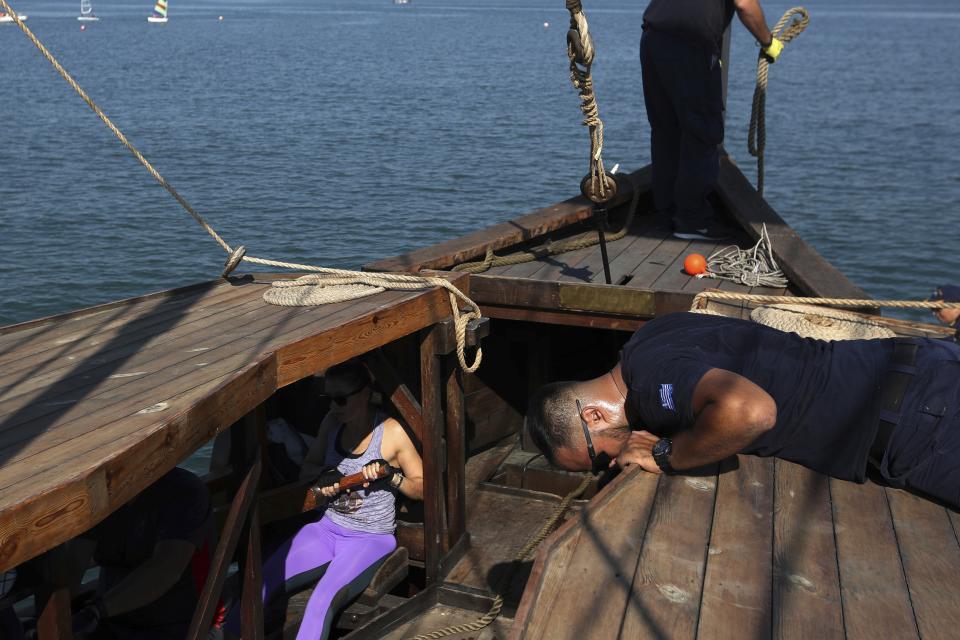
point(682, 89)
point(924, 449)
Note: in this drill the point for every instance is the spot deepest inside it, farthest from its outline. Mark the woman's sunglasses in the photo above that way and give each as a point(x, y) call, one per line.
point(341, 400)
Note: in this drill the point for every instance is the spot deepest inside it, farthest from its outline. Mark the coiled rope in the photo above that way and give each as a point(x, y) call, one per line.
point(581, 241)
point(581, 52)
point(354, 284)
point(754, 267)
point(522, 555)
point(757, 136)
point(701, 299)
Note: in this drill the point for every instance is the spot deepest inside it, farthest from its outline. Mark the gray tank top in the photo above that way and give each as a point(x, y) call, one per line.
point(372, 509)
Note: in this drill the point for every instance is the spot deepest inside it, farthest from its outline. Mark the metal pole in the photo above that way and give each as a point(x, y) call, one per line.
point(600, 215)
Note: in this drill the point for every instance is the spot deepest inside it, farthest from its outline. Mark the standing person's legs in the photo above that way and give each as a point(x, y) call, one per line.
point(700, 105)
point(664, 126)
point(356, 559)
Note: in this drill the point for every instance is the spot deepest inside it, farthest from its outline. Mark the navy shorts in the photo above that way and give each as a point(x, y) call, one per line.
point(924, 450)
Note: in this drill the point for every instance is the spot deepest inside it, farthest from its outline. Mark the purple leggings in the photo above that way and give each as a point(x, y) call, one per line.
point(352, 557)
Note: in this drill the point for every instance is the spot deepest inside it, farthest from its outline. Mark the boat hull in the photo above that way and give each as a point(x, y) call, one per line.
point(157, 20)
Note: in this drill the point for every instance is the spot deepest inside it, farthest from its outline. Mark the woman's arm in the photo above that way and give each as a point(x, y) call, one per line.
point(405, 456)
point(313, 462)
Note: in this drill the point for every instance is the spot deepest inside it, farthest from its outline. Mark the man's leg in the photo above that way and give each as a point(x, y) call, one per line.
point(664, 126)
point(699, 92)
point(357, 557)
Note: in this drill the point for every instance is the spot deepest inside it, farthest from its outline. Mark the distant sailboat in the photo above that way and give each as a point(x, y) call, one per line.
point(159, 12)
point(5, 17)
point(86, 12)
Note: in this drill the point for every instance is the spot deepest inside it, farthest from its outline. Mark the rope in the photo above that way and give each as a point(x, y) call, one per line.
point(757, 136)
point(527, 549)
point(701, 299)
point(581, 52)
point(811, 321)
point(754, 267)
point(581, 241)
point(341, 276)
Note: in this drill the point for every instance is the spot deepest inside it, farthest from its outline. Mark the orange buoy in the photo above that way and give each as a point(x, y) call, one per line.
point(695, 264)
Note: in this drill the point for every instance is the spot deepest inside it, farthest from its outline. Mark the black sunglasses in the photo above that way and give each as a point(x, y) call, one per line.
point(594, 460)
point(341, 400)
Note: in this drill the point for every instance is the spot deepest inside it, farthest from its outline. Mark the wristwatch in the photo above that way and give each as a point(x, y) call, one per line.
point(396, 480)
point(662, 449)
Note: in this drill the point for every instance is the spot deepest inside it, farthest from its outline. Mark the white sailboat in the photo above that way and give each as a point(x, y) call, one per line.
point(6, 17)
point(86, 12)
point(159, 12)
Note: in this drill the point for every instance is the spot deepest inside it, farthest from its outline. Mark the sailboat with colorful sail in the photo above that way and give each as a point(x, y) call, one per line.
point(159, 12)
point(86, 12)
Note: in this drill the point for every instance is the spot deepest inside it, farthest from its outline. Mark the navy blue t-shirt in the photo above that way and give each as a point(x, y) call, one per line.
point(826, 392)
point(701, 21)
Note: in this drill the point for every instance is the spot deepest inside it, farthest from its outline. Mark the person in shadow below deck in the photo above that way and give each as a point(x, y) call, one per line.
point(683, 92)
point(949, 317)
point(691, 390)
point(342, 550)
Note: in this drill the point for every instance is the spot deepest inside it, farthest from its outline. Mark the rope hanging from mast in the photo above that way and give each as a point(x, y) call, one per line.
point(333, 285)
point(757, 136)
point(580, 51)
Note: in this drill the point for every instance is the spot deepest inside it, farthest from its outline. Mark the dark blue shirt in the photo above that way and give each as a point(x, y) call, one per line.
point(702, 22)
point(826, 392)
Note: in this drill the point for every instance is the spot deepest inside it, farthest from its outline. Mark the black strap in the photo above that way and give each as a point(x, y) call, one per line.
point(892, 389)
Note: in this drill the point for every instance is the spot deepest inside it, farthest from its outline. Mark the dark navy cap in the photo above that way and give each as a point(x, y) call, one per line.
point(947, 293)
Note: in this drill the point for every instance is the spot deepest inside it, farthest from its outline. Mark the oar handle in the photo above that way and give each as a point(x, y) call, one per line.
point(345, 483)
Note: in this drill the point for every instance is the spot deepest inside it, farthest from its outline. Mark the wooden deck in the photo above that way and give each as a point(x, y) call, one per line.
point(767, 549)
point(97, 404)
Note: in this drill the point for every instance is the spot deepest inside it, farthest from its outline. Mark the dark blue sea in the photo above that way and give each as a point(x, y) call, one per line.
point(337, 131)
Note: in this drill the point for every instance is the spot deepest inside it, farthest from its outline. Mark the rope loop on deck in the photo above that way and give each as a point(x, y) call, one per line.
point(522, 555)
point(754, 267)
point(757, 135)
point(353, 284)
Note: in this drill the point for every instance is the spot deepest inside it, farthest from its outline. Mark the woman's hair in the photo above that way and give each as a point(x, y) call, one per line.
point(351, 372)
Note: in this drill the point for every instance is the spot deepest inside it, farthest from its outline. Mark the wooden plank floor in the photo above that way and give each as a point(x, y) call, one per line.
point(762, 549)
point(647, 257)
point(97, 404)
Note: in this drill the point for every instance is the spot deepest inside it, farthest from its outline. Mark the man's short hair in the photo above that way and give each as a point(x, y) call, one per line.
point(552, 416)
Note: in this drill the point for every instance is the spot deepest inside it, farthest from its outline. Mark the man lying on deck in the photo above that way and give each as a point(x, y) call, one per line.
point(692, 389)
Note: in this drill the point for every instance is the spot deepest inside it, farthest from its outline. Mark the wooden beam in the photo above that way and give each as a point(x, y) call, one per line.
point(434, 525)
point(251, 603)
point(203, 615)
point(505, 234)
point(389, 381)
point(456, 453)
point(55, 622)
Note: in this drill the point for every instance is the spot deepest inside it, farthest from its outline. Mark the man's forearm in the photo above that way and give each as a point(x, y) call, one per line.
point(751, 15)
point(150, 580)
point(717, 434)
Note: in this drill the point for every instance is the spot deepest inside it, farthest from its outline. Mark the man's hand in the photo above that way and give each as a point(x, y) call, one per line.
point(87, 619)
point(772, 51)
point(639, 450)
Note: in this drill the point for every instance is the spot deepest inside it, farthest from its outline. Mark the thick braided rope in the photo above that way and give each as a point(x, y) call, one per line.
point(701, 299)
point(581, 241)
point(527, 549)
point(581, 52)
point(757, 136)
point(384, 280)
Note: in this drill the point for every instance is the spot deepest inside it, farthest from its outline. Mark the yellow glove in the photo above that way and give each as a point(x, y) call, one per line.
point(772, 51)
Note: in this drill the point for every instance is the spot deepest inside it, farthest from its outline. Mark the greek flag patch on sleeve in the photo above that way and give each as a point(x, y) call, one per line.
point(666, 396)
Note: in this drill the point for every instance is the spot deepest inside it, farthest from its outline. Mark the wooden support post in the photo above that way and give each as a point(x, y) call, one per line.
point(434, 526)
point(251, 607)
point(456, 452)
point(55, 622)
point(239, 508)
